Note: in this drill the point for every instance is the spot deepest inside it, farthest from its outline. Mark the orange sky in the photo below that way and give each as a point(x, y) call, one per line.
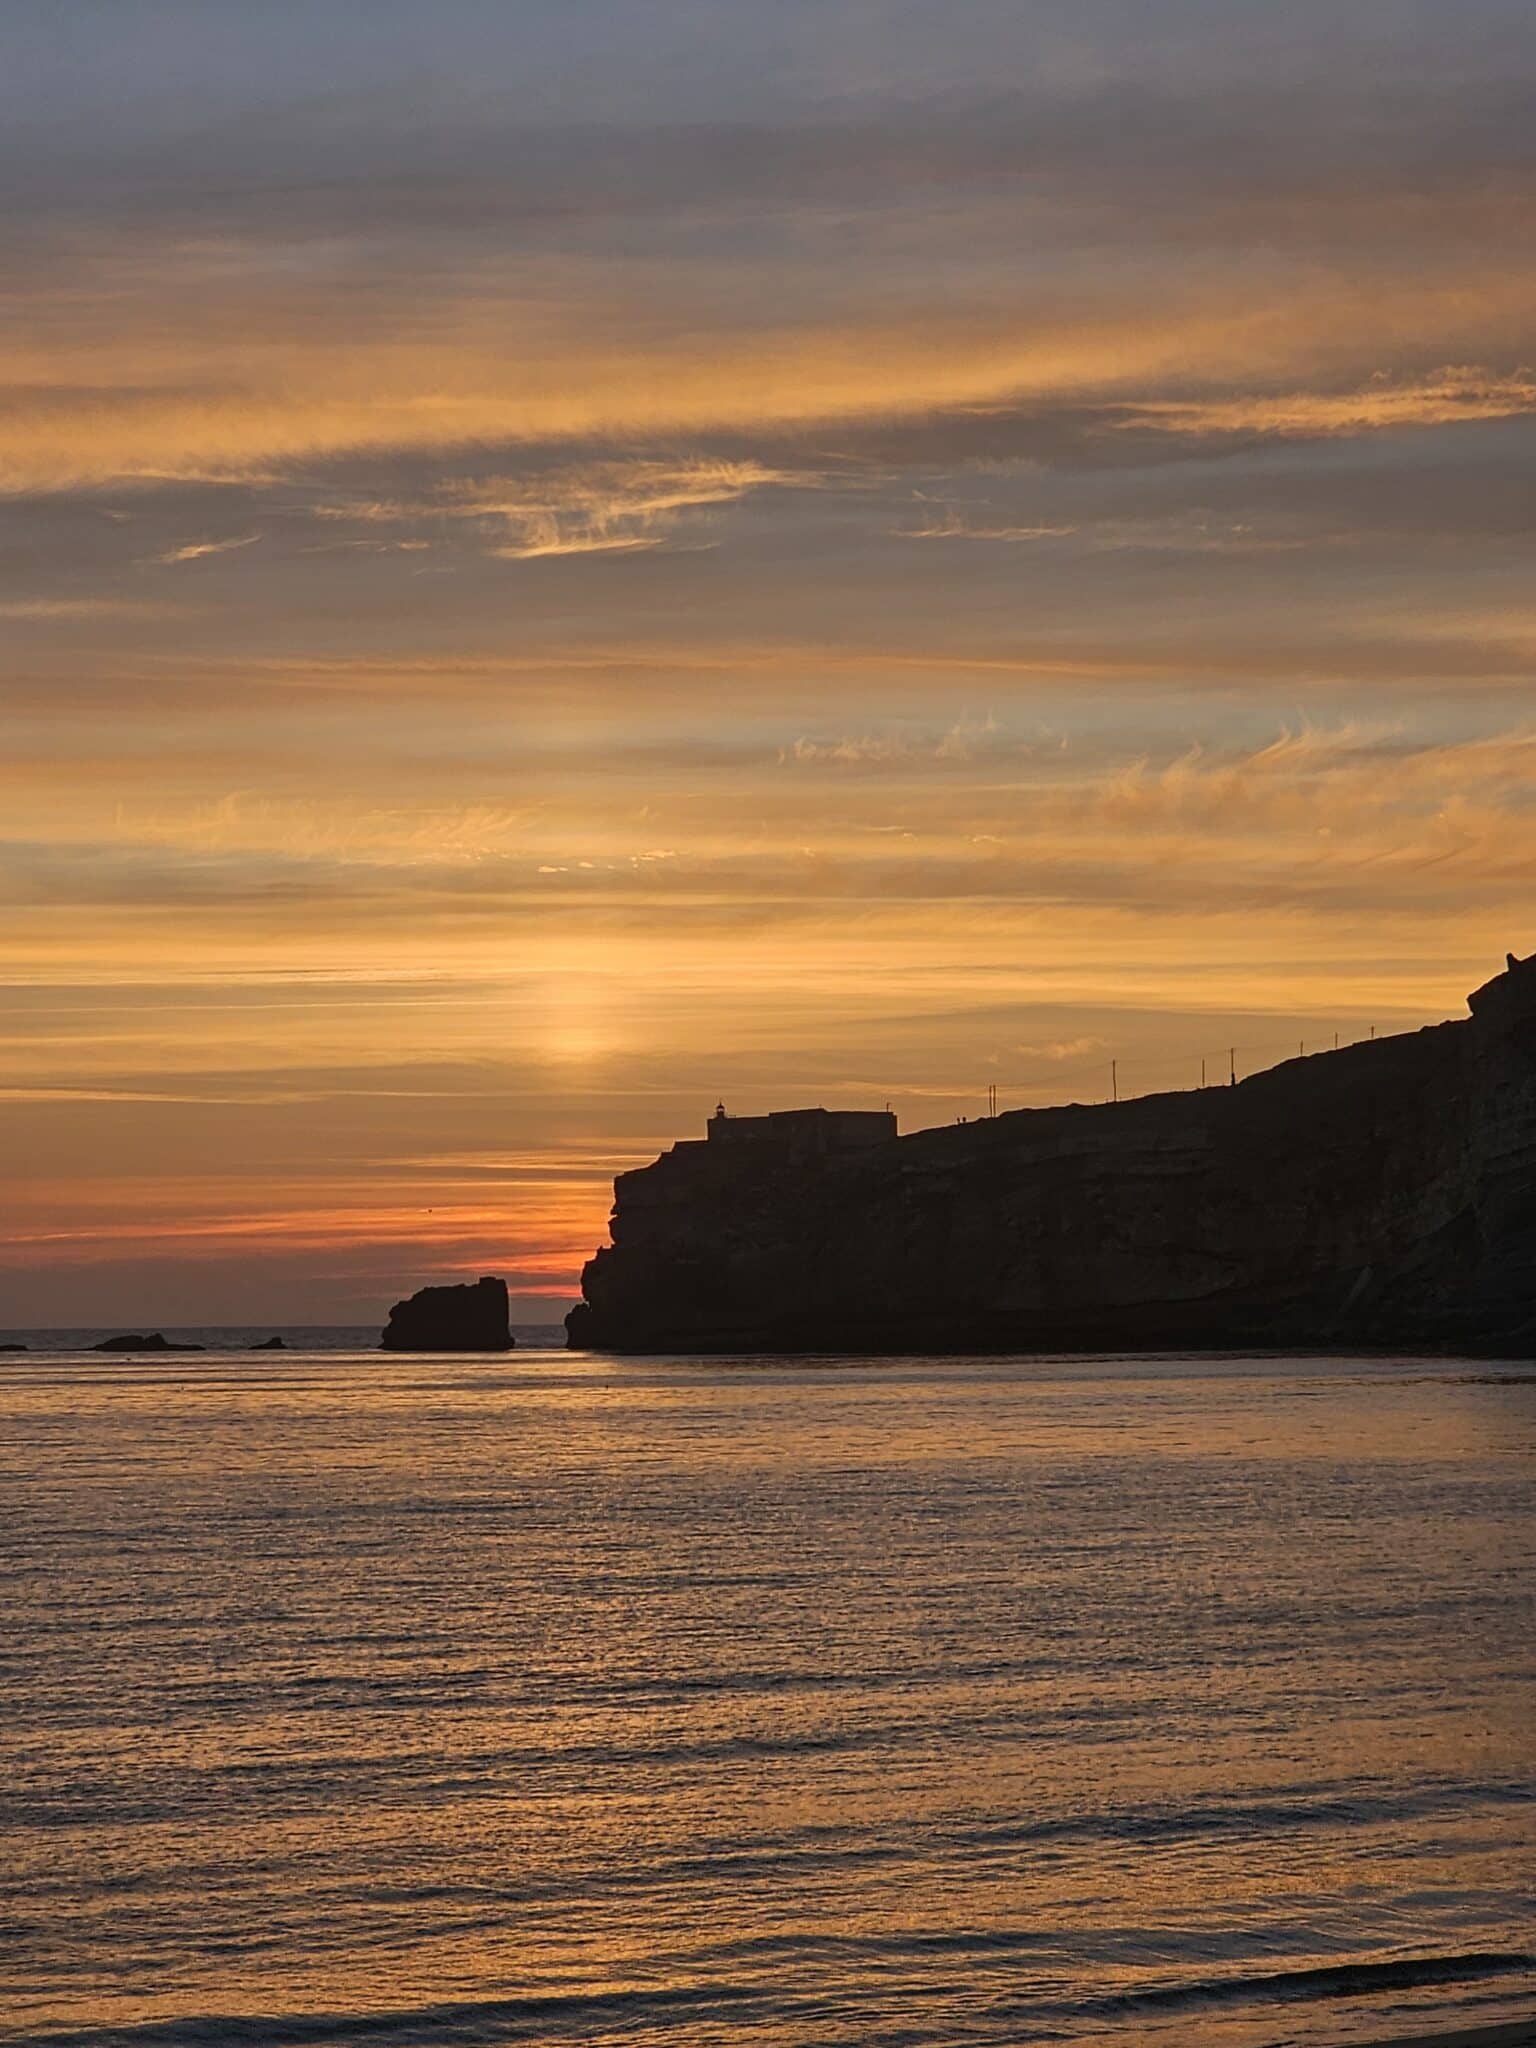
point(550, 573)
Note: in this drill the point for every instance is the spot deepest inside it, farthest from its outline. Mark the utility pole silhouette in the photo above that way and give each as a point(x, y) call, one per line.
point(1114, 1080)
point(1231, 1066)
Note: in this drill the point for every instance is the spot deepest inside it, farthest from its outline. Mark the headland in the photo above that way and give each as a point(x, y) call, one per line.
point(1383, 1195)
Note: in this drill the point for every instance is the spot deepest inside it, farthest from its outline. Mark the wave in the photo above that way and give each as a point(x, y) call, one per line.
point(1321, 1980)
point(545, 2016)
point(479, 2020)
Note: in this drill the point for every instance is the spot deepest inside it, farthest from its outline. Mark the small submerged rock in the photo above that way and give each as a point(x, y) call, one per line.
point(270, 1344)
point(466, 1318)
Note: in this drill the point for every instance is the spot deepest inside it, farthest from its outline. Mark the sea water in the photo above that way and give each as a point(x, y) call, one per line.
point(417, 1700)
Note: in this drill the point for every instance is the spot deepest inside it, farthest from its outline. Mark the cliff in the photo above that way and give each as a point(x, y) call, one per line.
point(1381, 1195)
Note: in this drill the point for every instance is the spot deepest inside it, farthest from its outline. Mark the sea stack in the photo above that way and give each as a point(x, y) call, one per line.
point(1383, 1195)
point(467, 1318)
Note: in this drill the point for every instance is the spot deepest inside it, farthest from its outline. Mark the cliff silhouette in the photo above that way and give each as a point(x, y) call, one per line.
point(1381, 1195)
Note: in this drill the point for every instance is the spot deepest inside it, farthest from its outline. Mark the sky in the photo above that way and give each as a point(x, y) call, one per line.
point(560, 562)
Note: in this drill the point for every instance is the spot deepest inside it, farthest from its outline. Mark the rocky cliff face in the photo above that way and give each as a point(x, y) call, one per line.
point(1380, 1195)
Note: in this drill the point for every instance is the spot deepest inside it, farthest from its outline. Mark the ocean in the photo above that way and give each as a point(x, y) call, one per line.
point(418, 1700)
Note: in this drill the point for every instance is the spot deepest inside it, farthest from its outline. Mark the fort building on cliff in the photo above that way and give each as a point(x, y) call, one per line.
point(801, 1133)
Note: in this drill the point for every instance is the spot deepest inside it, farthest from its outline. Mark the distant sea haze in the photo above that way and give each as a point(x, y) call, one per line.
point(424, 1700)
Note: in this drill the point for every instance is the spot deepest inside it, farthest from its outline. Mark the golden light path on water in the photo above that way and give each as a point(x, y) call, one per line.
point(467, 1701)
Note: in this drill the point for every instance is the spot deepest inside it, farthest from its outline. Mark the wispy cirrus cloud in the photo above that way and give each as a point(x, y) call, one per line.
point(47, 610)
point(620, 505)
point(1446, 397)
point(198, 550)
point(955, 526)
point(512, 359)
point(957, 742)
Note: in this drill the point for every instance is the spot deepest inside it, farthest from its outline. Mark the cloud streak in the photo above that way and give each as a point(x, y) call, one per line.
point(199, 550)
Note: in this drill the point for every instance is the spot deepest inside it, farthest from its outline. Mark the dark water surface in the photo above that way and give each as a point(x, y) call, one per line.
point(414, 1701)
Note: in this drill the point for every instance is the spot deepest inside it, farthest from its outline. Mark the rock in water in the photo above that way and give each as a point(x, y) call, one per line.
point(153, 1342)
point(270, 1344)
point(467, 1318)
